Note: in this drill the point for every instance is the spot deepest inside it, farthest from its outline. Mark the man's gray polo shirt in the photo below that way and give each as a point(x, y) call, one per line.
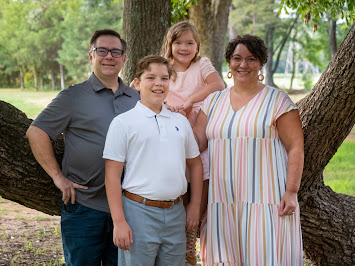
point(83, 113)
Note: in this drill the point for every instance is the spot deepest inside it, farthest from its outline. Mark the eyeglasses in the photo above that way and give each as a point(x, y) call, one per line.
point(102, 51)
point(248, 61)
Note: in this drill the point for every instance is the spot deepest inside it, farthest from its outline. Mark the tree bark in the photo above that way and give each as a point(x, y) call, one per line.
point(210, 17)
point(328, 115)
point(332, 36)
point(22, 179)
point(142, 31)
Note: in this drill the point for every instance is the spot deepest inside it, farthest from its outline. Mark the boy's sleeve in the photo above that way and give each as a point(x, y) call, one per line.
point(116, 141)
point(191, 146)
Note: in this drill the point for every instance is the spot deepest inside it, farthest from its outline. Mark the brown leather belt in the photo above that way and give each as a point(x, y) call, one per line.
point(153, 203)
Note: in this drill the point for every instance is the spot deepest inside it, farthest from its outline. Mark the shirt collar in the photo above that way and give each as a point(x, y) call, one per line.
point(149, 113)
point(122, 89)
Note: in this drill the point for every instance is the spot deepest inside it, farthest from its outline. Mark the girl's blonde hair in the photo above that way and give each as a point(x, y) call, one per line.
point(173, 33)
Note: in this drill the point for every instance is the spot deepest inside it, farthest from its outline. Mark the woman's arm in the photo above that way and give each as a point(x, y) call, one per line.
point(290, 131)
point(199, 130)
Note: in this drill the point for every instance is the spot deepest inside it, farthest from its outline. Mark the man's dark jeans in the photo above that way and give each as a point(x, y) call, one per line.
point(87, 236)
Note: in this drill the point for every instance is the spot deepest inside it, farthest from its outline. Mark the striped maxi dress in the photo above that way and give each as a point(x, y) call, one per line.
point(248, 172)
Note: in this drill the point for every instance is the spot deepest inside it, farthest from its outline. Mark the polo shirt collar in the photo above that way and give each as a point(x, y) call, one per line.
point(122, 89)
point(149, 113)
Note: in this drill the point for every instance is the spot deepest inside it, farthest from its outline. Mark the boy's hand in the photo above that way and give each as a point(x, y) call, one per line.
point(192, 216)
point(122, 235)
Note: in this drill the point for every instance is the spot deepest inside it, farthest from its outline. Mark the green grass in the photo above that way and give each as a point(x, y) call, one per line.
point(339, 173)
point(30, 102)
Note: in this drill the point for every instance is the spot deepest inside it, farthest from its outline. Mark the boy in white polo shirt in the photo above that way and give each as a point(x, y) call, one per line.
point(155, 145)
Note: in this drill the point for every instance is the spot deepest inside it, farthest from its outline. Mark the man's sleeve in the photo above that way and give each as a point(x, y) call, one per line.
point(55, 118)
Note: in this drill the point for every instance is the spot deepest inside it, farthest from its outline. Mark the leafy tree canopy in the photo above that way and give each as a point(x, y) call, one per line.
point(316, 9)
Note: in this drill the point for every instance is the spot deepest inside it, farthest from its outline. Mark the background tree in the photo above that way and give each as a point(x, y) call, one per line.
point(211, 20)
point(80, 20)
point(144, 27)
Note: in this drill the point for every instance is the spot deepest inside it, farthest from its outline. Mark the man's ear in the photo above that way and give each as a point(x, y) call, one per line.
point(124, 57)
point(136, 83)
point(90, 57)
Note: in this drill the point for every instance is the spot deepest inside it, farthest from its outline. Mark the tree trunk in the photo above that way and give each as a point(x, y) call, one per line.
point(231, 31)
point(21, 78)
point(61, 68)
point(53, 79)
point(332, 36)
point(328, 115)
point(41, 85)
point(35, 78)
point(210, 18)
point(142, 31)
point(269, 80)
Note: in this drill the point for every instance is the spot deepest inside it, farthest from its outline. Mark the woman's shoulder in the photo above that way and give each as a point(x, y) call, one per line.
point(218, 94)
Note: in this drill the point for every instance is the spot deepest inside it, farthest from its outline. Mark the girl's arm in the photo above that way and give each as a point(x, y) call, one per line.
point(290, 131)
point(214, 83)
point(122, 233)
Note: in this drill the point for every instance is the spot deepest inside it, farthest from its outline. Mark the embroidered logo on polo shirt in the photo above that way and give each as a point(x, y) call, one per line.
point(177, 129)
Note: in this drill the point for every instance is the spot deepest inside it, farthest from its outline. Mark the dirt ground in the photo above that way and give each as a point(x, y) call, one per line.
point(28, 237)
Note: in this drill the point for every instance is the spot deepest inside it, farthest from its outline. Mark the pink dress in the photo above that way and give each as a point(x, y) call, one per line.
point(248, 176)
point(186, 84)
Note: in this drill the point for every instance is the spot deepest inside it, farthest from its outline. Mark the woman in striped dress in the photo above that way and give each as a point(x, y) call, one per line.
point(255, 143)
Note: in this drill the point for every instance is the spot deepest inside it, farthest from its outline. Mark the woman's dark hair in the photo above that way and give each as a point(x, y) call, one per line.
point(255, 45)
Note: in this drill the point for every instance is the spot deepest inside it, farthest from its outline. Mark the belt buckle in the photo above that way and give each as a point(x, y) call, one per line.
point(172, 204)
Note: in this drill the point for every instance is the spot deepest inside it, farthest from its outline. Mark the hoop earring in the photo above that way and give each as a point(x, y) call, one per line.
point(229, 74)
point(260, 77)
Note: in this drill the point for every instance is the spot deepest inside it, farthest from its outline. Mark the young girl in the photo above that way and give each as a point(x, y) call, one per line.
point(195, 79)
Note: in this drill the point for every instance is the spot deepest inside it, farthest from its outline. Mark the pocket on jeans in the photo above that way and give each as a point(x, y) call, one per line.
point(70, 208)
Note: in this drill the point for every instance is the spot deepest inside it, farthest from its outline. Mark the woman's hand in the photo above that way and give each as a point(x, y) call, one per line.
point(288, 203)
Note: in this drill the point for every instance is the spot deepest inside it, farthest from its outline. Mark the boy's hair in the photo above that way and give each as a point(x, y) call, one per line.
point(99, 33)
point(143, 64)
point(173, 33)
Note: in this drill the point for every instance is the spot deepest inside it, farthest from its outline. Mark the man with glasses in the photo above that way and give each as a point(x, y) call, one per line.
point(83, 113)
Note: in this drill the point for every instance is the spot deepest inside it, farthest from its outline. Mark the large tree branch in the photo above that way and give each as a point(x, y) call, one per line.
point(22, 179)
point(328, 115)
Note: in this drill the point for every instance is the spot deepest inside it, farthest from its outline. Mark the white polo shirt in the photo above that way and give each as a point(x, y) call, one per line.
point(155, 148)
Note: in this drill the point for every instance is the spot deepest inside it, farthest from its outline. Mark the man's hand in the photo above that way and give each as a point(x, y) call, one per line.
point(67, 187)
